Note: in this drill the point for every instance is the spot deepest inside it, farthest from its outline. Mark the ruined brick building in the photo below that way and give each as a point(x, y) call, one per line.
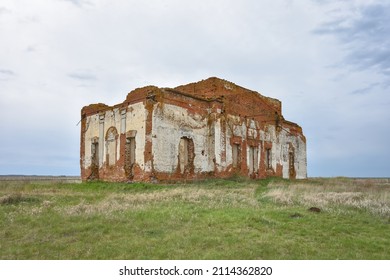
point(211, 128)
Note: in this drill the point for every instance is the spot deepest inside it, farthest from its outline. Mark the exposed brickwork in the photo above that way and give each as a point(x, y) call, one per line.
point(212, 114)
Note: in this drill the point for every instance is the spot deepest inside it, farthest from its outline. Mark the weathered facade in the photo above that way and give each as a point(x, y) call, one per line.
point(212, 128)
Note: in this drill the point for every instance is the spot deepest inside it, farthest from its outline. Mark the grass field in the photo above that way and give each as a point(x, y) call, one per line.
point(212, 219)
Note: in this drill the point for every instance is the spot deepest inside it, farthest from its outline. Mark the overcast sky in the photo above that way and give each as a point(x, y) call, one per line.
point(327, 61)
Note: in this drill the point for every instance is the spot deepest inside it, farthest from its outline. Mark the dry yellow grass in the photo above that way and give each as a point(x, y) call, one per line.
point(243, 197)
point(372, 195)
point(109, 202)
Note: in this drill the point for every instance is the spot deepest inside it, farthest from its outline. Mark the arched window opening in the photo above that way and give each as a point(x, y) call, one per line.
point(111, 146)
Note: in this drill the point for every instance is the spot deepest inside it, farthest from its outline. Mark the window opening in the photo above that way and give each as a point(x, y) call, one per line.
point(186, 155)
point(94, 160)
point(236, 150)
point(129, 156)
point(111, 146)
point(291, 167)
point(253, 160)
point(268, 158)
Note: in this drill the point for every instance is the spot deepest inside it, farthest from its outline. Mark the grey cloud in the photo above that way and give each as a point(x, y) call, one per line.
point(331, 27)
point(84, 76)
point(366, 37)
point(366, 89)
point(30, 19)
point(6, 74)
point(325, 1)
point(4, 11)
point(31, 49)
point(79, 3)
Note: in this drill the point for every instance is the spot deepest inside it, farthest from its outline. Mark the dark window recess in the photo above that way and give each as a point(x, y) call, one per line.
point(291, 167)
point(253, 160)
point(186, 155)
point(94, 160)
point(111, 146)
point(236, 155)
point(268, 158)
point(129, 157)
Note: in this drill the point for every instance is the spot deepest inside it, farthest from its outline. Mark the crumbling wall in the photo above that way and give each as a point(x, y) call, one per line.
point(296, 146)
point(170, 124)
point(91, 132)
point(284, 141)
point(255, 138)
point(109, 129)
point(209, 128)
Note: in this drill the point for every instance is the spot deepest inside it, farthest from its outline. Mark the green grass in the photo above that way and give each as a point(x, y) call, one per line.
point(211, 219)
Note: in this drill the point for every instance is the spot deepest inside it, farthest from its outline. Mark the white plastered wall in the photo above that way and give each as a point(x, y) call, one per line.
point(92, 130)
point(98, 124)
point(170, 124)
point(281, 142)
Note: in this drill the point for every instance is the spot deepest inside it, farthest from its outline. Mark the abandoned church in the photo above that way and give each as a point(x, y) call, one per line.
point(211, 128)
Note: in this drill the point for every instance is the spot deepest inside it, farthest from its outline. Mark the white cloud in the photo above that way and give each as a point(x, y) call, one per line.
point(325, 60)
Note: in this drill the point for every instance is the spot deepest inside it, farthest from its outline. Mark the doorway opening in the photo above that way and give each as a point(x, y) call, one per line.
point(129, 157)
point(186, 155)
point(94, 160)
point(236, 151)
point(291, 166)
point(253, 161)
point(268, 158)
